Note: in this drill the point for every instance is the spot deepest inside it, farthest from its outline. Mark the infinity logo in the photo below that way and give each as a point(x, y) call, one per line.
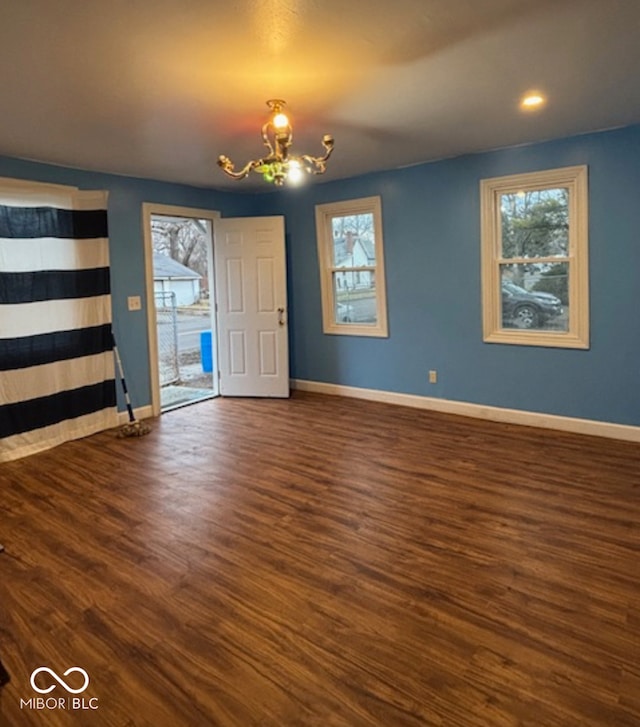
point(60, 681)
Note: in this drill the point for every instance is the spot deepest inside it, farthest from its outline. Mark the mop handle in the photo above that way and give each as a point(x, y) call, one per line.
point(122, 381)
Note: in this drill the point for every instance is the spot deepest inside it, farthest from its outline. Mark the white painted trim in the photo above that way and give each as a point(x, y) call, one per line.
point(478, 411)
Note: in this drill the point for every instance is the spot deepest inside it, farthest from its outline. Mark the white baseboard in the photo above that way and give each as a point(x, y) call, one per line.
point(142, 412)
point(478, 411)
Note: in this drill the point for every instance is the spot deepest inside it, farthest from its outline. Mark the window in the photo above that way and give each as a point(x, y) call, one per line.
point(534, 258)
point(352, 267)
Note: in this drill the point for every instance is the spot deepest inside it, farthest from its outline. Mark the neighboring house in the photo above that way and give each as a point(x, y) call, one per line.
point(353, 251)
point(170, 276)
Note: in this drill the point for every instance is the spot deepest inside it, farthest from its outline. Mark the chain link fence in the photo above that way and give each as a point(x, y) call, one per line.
point(167, 320)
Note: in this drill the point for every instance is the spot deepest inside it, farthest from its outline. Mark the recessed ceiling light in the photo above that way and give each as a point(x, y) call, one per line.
point(532, 100)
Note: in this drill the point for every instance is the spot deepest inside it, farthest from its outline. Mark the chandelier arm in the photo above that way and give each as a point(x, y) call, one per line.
point(318, 165)
point(265, 138)
point(229, 168)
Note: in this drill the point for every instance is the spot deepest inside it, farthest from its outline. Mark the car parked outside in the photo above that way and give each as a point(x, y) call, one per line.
point(524, 309)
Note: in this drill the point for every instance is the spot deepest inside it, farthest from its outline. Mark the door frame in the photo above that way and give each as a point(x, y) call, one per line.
point(149, 209)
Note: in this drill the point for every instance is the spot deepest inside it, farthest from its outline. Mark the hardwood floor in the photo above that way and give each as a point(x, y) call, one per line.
point(324, 562)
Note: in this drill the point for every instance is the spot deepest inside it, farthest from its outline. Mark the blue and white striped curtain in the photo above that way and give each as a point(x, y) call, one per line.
point(57, 378)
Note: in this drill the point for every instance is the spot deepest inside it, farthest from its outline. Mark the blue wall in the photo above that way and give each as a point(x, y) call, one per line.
point(126, 245)
point(431, 221)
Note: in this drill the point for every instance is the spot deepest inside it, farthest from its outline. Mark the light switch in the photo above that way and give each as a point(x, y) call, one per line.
point(134, 302)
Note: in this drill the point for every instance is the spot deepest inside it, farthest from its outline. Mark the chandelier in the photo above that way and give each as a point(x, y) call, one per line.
point(279, 165)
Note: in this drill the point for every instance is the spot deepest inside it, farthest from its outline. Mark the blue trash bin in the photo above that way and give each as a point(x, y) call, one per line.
point(206, 355)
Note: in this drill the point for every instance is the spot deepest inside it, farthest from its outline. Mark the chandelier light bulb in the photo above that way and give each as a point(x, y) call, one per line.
point(280, 121)
point(295, 172)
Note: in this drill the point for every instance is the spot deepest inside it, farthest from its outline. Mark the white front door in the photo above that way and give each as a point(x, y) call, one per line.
point(251, 293)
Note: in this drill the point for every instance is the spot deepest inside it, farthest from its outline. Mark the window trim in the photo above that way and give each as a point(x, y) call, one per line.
point(324, 214)
point(575, 179)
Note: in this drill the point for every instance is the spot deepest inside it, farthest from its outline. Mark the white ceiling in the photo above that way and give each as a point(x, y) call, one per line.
point(160, 88)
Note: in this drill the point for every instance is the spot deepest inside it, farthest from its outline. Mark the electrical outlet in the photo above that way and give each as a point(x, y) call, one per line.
point(433, 377)
point(134, 302)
